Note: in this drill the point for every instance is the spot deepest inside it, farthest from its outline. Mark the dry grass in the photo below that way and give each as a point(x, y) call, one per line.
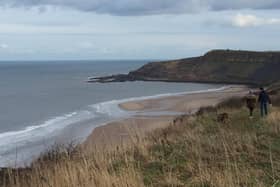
point(194, 151)
point(276, 100)
point(273, 121)
point(78, 169)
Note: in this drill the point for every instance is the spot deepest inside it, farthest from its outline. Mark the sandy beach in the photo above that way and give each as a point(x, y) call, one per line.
point(123, 131)
point(187, 103)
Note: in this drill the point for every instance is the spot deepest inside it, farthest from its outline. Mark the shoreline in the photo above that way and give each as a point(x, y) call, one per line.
point(122, 132)
point(186, 102)
point(112, 79)
point(148, 113)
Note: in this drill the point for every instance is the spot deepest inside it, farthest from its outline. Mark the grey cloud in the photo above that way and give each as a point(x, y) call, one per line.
point(243, 21)
point(242, 4)
point(147, 7)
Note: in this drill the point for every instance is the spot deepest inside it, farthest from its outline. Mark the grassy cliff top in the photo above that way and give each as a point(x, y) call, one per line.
point(193, 151)
point(216, 66)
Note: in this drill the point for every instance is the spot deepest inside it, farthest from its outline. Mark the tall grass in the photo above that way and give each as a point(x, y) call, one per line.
point(193, 151)
point(79, 168)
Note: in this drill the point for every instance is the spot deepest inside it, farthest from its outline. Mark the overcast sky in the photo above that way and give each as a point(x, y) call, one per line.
point(134, 29)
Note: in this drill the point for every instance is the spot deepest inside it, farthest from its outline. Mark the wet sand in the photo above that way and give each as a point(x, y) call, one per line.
point(124, 131)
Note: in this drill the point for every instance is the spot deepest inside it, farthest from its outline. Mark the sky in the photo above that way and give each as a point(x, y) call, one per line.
point(134, 29)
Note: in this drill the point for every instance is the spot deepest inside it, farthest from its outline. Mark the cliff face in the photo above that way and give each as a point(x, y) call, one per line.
point(217, 66)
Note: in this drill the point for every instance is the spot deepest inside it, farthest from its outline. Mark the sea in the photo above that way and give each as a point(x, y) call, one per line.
point(46, 103)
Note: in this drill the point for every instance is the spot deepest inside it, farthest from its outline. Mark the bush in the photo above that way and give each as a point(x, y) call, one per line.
point(234, 103)
point(276, 100)
point(205, 110)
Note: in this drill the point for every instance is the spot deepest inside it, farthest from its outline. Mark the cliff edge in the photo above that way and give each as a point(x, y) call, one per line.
point(216, 66)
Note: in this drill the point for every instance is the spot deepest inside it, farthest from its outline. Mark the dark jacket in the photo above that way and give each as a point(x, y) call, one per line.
point(251, 101)
point(264, 97)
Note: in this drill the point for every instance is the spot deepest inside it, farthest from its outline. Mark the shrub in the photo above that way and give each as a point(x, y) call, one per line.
point(234, 103)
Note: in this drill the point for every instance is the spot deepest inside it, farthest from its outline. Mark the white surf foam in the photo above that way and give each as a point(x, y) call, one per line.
point(110, 110)
point(10, 140)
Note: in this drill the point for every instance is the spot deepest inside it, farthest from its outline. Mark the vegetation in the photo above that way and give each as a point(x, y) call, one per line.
point(226, 66)
point(194, 151)
point(199, 150)
point(216, 66)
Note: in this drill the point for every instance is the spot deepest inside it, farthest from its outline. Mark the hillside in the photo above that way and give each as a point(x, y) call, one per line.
point(194, 151)
point(217, 66)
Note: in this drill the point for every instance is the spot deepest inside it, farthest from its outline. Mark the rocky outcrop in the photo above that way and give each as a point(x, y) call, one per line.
point(217, 66)
point(112, 78)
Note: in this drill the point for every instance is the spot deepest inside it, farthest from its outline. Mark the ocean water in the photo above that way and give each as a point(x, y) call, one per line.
point(43, 103)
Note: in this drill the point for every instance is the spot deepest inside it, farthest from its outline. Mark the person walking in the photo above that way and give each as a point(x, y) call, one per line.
point(251, 101)
point(264, 100)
